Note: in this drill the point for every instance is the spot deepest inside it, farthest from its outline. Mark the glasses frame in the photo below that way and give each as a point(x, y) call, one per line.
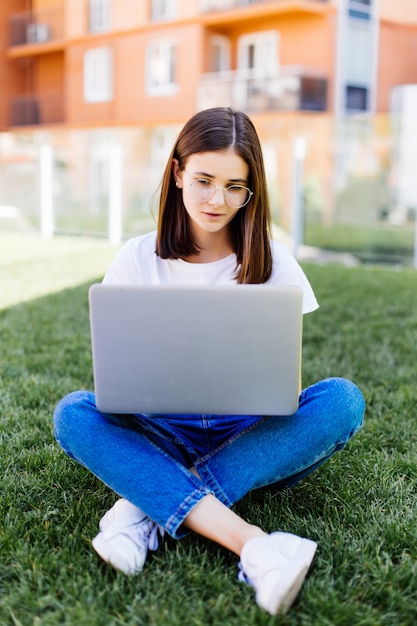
point(224, 189)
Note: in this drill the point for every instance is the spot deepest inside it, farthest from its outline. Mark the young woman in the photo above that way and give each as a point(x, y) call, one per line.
point(181, 473)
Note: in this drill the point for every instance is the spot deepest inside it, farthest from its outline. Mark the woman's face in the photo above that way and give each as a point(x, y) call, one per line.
point(215, 171)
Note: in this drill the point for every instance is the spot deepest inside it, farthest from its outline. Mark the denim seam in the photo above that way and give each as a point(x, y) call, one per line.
point(210, 481)
point(205, 473)
point(171, 438)
point(148, 431)
point(176, 520)
point(324, 455)
point(225, 444)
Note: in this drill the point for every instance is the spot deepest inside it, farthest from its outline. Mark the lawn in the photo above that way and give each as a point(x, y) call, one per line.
point(373, 243)
point(31, 266)
point(360, 507)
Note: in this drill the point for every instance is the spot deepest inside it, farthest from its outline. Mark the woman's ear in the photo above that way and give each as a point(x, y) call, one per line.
point(177, 172)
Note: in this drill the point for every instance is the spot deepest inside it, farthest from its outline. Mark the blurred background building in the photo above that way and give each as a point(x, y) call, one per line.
point(94, 92)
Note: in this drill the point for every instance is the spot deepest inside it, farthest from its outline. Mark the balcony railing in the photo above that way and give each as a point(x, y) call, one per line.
point(36, 27)
point(206, 6)
point(294, 88)
point(34, 110)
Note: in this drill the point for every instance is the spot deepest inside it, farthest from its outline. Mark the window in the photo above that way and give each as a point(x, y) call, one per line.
point(359, 52)
point(259, 52)
point(357, 57)
point(313, 96)
point(99, 16)
point(161, 68)
point(216, 5)
point(356, 98)
point(360, 9)
point(164, 9)
point(358, 60)
point(220, 54)
point(98, 75)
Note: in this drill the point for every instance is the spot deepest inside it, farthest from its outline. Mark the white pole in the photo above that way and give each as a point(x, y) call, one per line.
point(47, 217)
point(115, 195)
point(339, 94)
point(404, 106)
point(415, 238)
point(299, 151)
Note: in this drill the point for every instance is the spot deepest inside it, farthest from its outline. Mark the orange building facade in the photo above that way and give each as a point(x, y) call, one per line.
point(296, 66)
point(156, 62)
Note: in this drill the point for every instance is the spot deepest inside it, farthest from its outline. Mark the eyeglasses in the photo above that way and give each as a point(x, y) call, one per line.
point(235, 196)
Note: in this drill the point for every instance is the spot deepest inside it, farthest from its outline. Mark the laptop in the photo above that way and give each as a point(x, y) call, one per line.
point(227, 350)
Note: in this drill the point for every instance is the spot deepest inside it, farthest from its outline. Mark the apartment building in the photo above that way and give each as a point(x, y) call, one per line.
point(295, 66)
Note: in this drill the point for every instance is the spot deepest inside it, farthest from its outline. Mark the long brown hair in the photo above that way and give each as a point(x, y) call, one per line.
point(207, 131)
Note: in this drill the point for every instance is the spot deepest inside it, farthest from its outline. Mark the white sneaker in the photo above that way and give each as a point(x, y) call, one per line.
point(125, 536)
point(276, 567)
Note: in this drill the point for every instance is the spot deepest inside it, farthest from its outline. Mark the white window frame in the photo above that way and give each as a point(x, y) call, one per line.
point(359, 52)
point(161, 68)
point(360, 10)
point(98, 75)
point(99, 16)
point(261, 41)
point(163, 10)
point(216, 5)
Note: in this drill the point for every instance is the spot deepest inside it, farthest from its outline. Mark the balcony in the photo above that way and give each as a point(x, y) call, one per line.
point(35, 110)
point(36, 27)
point(293, 88)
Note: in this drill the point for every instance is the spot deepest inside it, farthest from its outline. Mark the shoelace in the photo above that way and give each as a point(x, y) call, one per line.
point(242, 576)
point(153, 536)
point(145, 533)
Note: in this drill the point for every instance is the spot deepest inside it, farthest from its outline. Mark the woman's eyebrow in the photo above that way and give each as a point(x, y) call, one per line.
point(232, 180)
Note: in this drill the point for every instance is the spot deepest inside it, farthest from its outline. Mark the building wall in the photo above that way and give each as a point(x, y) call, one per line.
point(42, 4)
point(402, 11)
point(310, 41)
point(11, 80)
point(76, 18)
point(130, 103)
point(399, 68)
point(49, 73)
point(301, 43)
point(308, 37)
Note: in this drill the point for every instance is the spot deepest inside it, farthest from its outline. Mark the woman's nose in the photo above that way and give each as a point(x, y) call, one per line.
point(218, 197)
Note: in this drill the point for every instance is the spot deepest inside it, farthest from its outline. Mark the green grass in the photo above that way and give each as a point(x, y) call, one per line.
point(32, 267)
point(379, 242)
point(360, 507)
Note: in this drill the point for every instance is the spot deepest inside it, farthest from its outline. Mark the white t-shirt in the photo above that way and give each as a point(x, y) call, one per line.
point(137, 263)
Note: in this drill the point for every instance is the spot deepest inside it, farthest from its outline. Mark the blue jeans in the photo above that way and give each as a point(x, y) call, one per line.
point(147, 458)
